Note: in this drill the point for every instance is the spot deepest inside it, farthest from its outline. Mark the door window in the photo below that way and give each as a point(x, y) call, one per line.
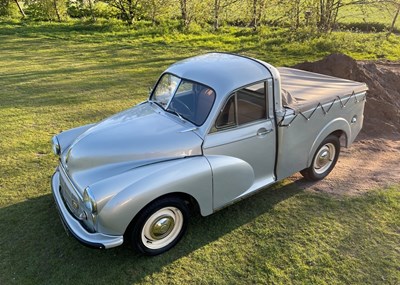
point(244, 106)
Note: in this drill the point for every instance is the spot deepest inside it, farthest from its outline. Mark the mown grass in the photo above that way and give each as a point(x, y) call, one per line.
point(368, 17)
point(57, 76)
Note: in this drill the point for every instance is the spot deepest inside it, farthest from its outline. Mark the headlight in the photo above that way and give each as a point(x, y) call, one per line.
point(56, 146)
point(89, 201)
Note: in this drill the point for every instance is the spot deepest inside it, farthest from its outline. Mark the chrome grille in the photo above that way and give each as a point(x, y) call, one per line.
point(69, 195)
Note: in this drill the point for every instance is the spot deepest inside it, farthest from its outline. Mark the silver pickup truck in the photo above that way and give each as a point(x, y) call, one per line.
point(216, 128)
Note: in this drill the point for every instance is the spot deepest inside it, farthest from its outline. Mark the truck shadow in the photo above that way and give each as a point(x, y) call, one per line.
point(31, 229)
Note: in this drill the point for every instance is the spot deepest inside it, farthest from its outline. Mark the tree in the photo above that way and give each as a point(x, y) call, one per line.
point(7, 9)
point(219, 7)
point(194, 11)
point(46, 9)
point(257, 10)
point(91, 9)
point(82, 8)
point(57, 10)
point(396, 5)
point(20, 9)
point(321, 14)
point(327, 16)
point(157, 8)
point(130, 10)
point(395, 18)
point(185, 18)
point(293, 10)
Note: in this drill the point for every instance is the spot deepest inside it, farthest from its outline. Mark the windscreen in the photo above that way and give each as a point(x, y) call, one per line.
point(187, 99)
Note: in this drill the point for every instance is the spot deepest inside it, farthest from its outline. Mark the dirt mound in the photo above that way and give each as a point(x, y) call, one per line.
point(382, 109)
point(372, 161)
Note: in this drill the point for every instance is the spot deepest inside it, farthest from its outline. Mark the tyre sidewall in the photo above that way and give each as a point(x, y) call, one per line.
point(139, 222)
point(336, 142)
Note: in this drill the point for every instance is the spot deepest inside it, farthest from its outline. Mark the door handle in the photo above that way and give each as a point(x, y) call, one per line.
point(263, 132)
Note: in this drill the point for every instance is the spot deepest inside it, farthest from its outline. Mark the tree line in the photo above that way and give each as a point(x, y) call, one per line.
point(322, 15)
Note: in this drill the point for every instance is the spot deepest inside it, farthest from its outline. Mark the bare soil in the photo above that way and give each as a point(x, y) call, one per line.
point(373, 160)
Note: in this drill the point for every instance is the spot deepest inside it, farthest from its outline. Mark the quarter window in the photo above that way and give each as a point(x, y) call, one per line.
point(227, 117)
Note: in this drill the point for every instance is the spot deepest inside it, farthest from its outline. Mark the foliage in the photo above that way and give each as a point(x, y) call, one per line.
point(159, 11)
point(46, 9)
point(91, 9)
point(129, 10)
point(317, 16)
point(78, 9)
point(8, 8)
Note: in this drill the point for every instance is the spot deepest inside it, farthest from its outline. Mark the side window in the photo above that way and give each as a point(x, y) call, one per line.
point(244, 106)
point(227, 117)
point(251, 103)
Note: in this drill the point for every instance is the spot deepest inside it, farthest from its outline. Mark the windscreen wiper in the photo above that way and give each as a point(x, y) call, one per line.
point(176, 113)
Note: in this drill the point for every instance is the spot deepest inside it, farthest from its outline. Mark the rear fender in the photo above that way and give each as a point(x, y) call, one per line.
point(338, 124)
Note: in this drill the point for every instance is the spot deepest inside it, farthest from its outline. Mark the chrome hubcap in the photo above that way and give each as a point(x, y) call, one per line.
point(162, 227)
point(324, 158)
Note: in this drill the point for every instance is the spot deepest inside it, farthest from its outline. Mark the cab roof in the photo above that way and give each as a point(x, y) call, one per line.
point(223, 72)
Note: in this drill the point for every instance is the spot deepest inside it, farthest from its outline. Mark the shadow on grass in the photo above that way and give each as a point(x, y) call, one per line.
point(33, 28)
point(35, 249)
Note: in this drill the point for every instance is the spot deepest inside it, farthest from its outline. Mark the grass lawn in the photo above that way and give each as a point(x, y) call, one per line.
point(368, 16)
point(55, 77)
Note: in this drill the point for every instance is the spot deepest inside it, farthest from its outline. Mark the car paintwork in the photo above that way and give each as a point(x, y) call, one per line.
point(143, 153)
point(149, 136)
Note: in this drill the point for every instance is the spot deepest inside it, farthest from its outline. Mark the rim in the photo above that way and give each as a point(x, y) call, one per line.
point(162, 228)
point(324, 158)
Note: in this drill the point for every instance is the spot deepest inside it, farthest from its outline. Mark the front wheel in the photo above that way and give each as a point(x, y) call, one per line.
point(159, 226)
point(324, 159)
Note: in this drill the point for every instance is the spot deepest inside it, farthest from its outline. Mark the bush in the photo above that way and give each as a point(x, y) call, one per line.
point(365, 27)
point(8, 9)
point(44, 9)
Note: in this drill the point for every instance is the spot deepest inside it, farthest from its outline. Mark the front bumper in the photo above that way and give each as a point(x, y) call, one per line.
point(94, 240)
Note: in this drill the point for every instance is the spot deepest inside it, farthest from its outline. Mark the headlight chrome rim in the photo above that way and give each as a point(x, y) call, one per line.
point(56, 146)
point(89, 201)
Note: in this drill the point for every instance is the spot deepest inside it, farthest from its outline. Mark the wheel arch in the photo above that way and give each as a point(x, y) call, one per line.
point(188, 199)
point(338, 127)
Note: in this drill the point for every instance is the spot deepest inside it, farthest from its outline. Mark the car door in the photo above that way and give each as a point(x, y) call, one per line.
point(241, 146)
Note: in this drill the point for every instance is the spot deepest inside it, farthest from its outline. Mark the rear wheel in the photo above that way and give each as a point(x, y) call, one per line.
point(324, 159)
point(159, 226)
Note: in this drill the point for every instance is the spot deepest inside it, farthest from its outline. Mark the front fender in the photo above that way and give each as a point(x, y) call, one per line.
point(339, 124)
point(66, 138)
point(143, 185)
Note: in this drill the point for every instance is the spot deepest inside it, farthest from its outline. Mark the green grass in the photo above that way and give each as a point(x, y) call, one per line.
point(368, 17)
point(55, 77)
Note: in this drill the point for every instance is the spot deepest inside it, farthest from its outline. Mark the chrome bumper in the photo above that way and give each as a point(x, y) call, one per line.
point(95, 240)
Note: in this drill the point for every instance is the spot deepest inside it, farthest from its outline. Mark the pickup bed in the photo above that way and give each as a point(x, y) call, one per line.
point(216, 128)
